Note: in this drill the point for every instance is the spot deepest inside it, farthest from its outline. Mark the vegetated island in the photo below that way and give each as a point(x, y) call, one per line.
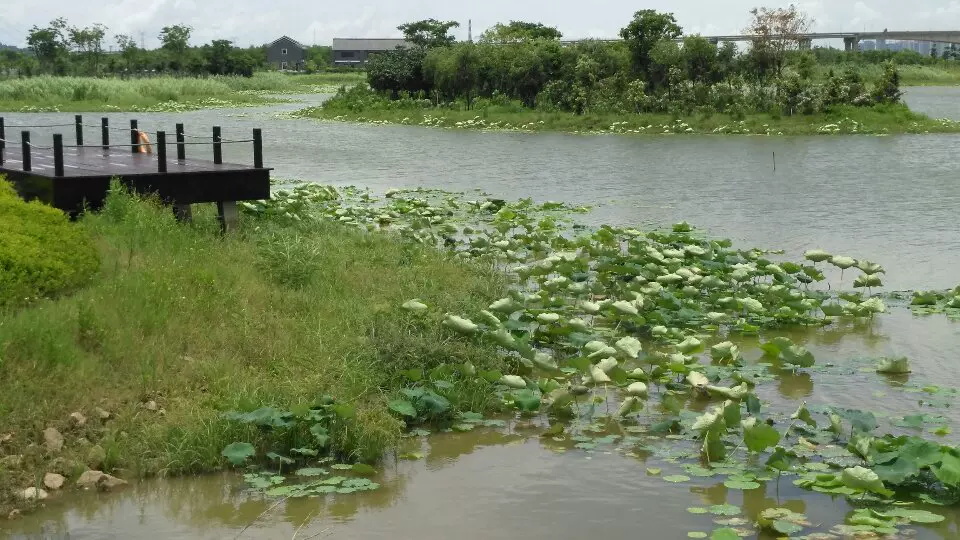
point(520, 76)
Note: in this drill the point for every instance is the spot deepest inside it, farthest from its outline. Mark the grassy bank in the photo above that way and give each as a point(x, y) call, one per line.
point(201, 325)
point(160, 93)
point(881, 119)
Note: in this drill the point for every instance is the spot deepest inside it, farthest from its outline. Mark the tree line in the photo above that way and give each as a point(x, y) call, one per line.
point(61, 49)
point(651, 69)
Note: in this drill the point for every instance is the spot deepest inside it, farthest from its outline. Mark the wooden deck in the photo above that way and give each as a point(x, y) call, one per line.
point(75, 177)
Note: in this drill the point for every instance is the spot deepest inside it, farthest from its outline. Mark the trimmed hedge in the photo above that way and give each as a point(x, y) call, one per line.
point(41, 252)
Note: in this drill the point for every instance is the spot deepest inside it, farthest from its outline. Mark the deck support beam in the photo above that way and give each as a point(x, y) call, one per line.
point(229, 216)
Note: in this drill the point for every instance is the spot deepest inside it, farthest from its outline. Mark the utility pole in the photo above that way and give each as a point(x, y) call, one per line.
point(142, 46)
point(470, 30)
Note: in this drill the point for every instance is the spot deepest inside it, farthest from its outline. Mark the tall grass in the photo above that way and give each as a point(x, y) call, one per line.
point(910, 75)
point(204, 324)
point(115, 91)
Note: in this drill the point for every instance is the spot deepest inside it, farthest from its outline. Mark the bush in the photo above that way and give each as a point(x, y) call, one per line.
point(41, 252)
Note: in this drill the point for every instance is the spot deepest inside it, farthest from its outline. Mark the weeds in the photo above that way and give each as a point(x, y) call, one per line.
point(202, 325)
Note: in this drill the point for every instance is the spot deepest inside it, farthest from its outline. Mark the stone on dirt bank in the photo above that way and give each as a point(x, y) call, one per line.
point(6, 437)
point(53, 481)
point(52, 439)
point(78, 419)
point(151, 406)
point(14, 514)
point(96, 456)
point(100, 480)
point(33, 494)
point(101, 414)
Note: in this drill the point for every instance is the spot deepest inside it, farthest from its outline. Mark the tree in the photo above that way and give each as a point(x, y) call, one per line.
point(454, 69)
point(88, 43)
point(645, 31)
point(665, 57)
point(128, 50)
point(777, 31)
point(806, 64)
point(933, 51)
point(219, 57)
point(519, 31)
point(175, 40)
point(429, 33)
point(399, 70)
point(888, 87)
point(49, 45)
point(699, 59)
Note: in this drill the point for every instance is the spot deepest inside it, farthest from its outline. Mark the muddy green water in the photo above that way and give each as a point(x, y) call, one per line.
point(894, 200)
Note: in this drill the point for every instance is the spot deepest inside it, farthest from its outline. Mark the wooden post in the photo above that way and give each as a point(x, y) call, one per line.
point(25, 146)
point(228, 215)
point(134, 136)
point(217, 146)
point(105, 132)
point(181, 148)
point(162, 151)
point(78, 122)
point(57, 154)
point(3, 140)
point(257, 148)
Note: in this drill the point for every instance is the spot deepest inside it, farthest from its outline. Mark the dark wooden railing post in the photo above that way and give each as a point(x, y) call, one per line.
point(257, 148)
point(25, 146)
point(217, 146)
point(105, 132)
point(57, 154)
point(3, 140)
point(134, 137)
point(78, 122)
point(162, 151)
point(181, 148)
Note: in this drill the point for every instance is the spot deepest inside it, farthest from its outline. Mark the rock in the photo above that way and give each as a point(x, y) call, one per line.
point(14, 514)
point(162, 412)
point(78, 419)
point(100, 480)
point(52, 439)
point(96, 456)
point(33, 494)
point(151, 406)
point(64, 466)
point(6, 437)
point(11, 462)
point(53, 481)
point(83, 441)
point(109, 483)
point(89, 479)
point(101, 414)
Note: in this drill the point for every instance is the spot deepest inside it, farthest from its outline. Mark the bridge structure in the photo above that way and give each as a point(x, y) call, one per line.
point(851, 40)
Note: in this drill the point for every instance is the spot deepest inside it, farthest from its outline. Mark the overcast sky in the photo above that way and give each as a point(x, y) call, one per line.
point(256, 22)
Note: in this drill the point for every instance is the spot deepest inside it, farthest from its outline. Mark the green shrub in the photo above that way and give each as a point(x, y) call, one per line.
point(41, 252)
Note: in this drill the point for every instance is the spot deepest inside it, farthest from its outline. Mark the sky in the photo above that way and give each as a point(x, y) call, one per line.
point(249, 22)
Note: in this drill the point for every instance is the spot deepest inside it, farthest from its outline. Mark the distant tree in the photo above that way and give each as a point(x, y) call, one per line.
point(176, 40)
point(455, 70)
point(220, 57)
point(645, 31)
point(665, 57)
point(887, 89)
point(806, 64)
point(727, 60)
point(519, 31)
point(319, 57)
point(429, 33)
point(933, 51)
point(699, 59)
point(777, 31)
point(49, 45)
point(399, 70)
point(88, 44)
point(129, 51)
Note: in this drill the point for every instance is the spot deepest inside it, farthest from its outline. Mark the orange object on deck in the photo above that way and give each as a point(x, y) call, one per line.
point(144, 147)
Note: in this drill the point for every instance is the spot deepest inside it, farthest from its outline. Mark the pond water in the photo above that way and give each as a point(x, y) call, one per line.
point(893, 200)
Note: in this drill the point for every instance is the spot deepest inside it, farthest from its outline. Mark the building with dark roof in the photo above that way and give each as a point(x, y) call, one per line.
point(355, 52)
point(287, 53)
